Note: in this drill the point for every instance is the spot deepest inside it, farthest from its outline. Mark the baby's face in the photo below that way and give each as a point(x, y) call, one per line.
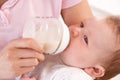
point(91, 42)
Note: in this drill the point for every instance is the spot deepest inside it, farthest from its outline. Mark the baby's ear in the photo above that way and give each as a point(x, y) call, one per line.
point(96, 71)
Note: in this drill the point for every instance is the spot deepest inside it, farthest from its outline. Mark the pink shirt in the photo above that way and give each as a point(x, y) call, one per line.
point(14, 14)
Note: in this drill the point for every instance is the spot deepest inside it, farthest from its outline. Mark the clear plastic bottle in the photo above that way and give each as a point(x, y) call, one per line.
point(48, 31)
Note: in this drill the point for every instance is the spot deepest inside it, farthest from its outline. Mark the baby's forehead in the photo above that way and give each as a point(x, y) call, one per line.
point(95, 19)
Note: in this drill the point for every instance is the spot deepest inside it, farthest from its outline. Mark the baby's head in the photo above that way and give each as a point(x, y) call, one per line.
point(95, 47)
point(113, 64)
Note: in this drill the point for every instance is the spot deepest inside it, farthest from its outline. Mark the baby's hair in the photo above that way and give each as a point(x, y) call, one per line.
point(113, 67)
point(2, 2)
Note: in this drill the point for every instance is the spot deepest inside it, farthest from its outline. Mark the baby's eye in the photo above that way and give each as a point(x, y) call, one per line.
point(82, 25)
point(86, 39)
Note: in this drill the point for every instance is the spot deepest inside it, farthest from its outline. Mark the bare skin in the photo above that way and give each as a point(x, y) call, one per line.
point(11, 62)
point(76, 14)
point(18, 57)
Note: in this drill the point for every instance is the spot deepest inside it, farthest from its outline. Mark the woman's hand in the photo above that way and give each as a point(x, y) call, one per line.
point(18, 57)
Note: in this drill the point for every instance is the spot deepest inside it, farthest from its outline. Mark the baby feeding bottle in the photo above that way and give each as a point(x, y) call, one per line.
point(48, 31)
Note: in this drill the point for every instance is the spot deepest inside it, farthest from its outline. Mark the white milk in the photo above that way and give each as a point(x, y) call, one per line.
point(50, 44)
point(48, 31)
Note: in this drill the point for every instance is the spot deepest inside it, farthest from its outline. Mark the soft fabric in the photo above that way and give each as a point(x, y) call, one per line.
point(62, 72)
point(15, 13)
point(54, 69)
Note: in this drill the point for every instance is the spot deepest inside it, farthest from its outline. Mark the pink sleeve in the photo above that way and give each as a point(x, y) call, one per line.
point(69, 3)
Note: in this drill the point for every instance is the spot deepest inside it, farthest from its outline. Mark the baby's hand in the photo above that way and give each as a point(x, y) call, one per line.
point(26, 77)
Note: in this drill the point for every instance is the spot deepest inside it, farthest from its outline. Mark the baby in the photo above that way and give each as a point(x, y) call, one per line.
point(94, 47)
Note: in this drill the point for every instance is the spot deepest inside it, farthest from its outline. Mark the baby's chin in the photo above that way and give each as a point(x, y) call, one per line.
point(71, 62)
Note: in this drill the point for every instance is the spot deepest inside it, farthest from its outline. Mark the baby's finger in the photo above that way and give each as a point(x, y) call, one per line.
point(24, 76)
point(33, 78)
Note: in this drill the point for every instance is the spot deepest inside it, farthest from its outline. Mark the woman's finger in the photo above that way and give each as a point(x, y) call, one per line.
point(26, 53)
point(27, 62)
point(25, 43)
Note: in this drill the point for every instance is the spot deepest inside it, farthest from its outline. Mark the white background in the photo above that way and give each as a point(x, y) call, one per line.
point(105, 7)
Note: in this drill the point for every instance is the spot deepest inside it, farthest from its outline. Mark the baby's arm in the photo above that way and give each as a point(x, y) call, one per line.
point(26, 77)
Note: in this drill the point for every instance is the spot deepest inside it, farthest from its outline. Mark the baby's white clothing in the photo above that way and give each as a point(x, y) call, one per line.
point(53, 69)
point(62, 72)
